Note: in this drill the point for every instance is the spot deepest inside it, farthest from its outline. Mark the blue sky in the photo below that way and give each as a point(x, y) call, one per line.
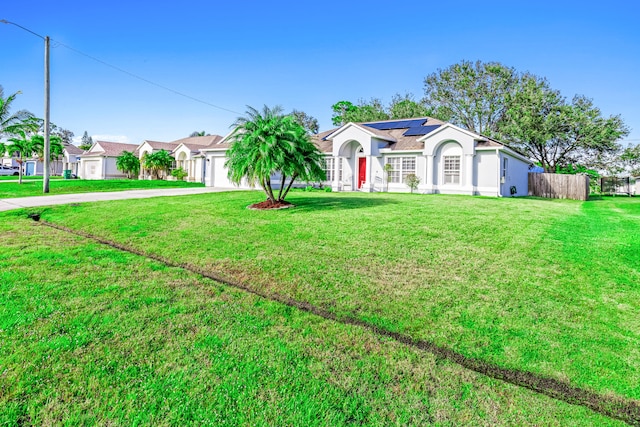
point(303, 55)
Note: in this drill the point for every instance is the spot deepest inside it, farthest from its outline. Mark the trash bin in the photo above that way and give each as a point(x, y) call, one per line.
point(66, 174)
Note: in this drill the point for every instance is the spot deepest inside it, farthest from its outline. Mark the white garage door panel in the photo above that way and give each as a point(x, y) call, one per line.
point(220, 173)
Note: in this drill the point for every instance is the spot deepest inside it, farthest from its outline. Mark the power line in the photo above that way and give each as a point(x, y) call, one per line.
point(59, 43)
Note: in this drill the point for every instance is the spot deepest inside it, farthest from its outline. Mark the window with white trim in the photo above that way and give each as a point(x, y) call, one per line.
point(329, 168)
point(400, 168)
point(451, 169)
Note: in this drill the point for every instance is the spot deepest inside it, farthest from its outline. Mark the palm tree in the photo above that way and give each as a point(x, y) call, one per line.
point(11, 124)
point(196, 133)
point(267, 141)
point(23, 146)
point(56, 148)
point(158, 161)
point(128, 163)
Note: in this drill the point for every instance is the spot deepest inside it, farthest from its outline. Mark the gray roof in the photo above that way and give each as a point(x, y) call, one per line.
point(110, 149)
point(72, 149)
point(395, 138)
point(199, 141)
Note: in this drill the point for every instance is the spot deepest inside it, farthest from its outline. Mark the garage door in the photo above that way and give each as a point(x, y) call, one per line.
point(220, 173)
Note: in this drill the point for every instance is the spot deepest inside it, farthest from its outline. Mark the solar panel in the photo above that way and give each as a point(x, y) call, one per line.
point(399, 124)
point(420, 130)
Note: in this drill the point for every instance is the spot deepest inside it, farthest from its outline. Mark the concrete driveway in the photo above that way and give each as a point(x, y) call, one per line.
point(63, 199)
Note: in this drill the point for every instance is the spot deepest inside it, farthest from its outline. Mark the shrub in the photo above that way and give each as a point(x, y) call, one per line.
point(412, 181)
point(327, 189)
point(179, 174)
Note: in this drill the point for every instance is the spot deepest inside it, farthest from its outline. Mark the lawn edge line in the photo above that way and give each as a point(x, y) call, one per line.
point(613, 407)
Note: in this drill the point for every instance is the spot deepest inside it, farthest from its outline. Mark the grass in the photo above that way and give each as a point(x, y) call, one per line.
point(546, 286)
point(34, 188)
point(93, 335)
point(28, 178)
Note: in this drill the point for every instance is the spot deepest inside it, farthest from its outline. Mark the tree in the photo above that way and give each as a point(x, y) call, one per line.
point(308, 122)
point(412, 180)
point(555, 133)
point(13, 124)
point(405, 107)
point(128, 163)
point(22, 145)
point(196, 133)
point(366, 111)
point(630, 159)
point(65, 135)
point(401, 107)
point(55, 148)
point(86, 142)
point(265, 142)
point(388, 168)
point(157, 162)
point(472, 95)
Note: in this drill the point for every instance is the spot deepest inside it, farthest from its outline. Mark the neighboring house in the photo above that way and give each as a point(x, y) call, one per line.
point(190, 157)
point(71, 158)
point(446, 159)
point(149, 147)
point(99, 162)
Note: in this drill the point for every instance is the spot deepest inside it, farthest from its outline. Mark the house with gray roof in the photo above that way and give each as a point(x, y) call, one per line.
point(99, 162)
point(444, 157)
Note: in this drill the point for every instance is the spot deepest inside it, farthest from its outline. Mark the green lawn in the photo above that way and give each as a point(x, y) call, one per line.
point(27, 178)
point(93, 335)
point(58, 186)
point(549, 287)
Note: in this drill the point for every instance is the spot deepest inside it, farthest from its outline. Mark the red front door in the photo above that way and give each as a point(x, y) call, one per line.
point(362, 171)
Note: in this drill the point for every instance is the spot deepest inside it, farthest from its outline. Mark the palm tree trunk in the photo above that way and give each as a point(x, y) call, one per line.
point(293, 178)
point(266, 186)
point(20, 171)
point(271, 196)
point(281, 186)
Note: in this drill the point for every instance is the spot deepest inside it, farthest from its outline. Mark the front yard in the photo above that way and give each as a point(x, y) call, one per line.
point(33, 187)
point(543, 286)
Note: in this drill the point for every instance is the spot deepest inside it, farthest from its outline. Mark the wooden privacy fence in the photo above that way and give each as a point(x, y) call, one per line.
point(559, 186)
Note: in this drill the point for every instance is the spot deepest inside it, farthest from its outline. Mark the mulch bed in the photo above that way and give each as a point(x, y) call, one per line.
point(267, 204)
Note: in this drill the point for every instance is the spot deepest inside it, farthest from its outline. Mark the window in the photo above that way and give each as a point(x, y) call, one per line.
point(400, 168)
point(505, 166)
point(452, 169)
point(329, 168)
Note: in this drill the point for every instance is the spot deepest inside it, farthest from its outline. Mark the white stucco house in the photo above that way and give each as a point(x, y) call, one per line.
point(447, 159)
point(99, 162)
point(189, 155)
point(71, 158)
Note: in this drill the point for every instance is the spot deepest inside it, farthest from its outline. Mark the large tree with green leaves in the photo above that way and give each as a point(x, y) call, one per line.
point(157, 162)
point(630, 159)
point(267, 142)
point(308, 122)
point(128, 163)
point(554, 132)
point(472, 95)
point(400, 107)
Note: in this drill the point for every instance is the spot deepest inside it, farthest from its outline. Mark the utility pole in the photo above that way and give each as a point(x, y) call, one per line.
point(47, 142)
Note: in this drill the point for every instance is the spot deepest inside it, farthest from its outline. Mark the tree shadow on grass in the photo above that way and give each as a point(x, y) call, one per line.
point(315, 204)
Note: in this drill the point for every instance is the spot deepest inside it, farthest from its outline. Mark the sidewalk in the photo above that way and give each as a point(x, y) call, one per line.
point(63, 199)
